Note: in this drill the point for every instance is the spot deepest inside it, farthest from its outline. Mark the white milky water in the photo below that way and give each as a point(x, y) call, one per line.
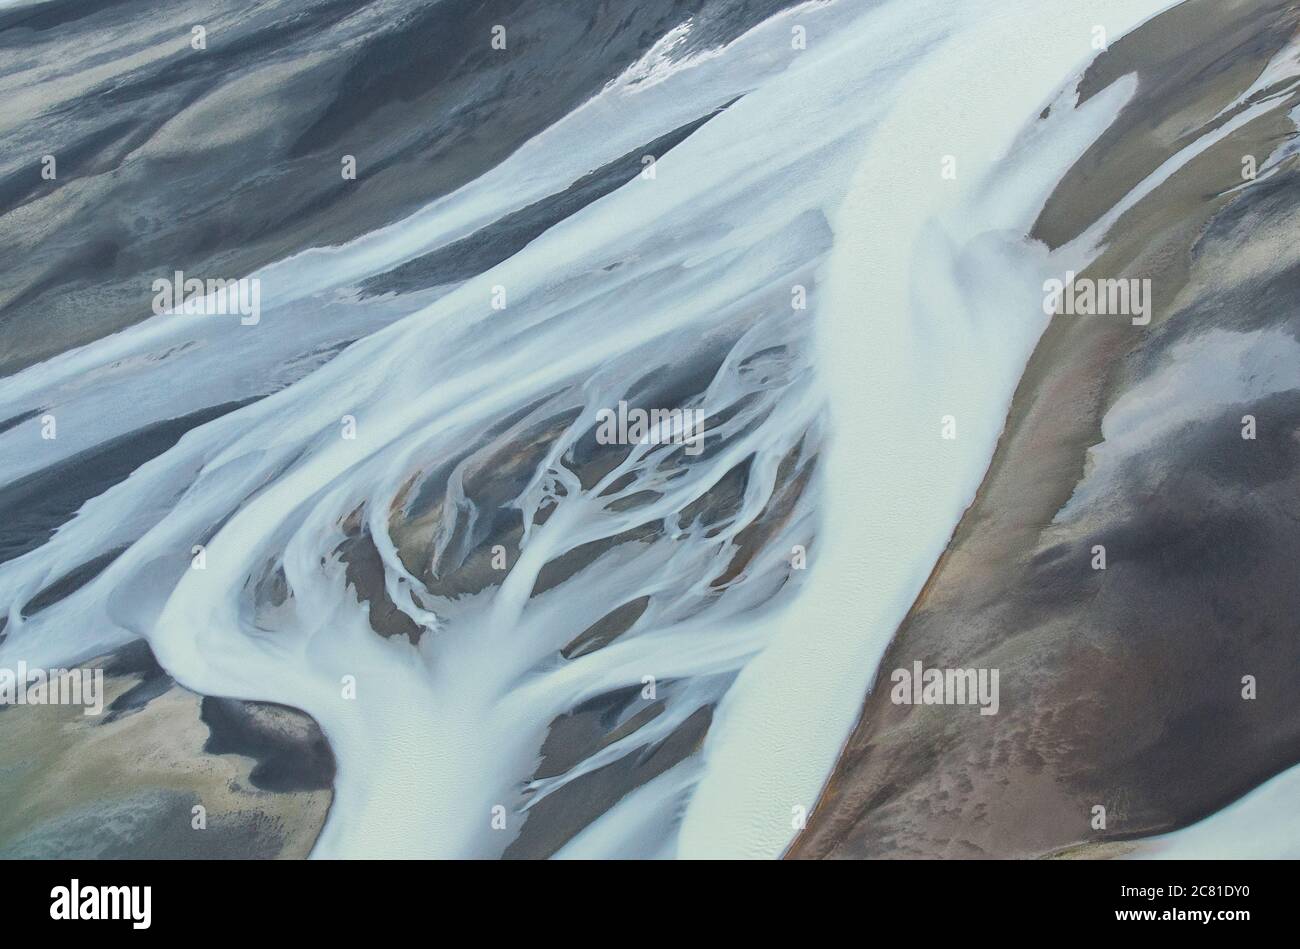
point(934, 307)
point(1263, 825)
point(924, 300)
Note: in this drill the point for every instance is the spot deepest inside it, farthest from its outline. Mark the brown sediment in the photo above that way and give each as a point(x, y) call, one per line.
point(1120, 687)
point(606, 629)
point(558, 818)
point(125, 784)
point(495, 470)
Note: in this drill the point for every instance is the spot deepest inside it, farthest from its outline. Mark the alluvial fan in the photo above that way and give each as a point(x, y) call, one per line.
point(488, 428)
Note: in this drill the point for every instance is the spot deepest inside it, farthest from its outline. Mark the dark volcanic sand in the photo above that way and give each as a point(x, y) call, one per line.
point(1120, 687)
